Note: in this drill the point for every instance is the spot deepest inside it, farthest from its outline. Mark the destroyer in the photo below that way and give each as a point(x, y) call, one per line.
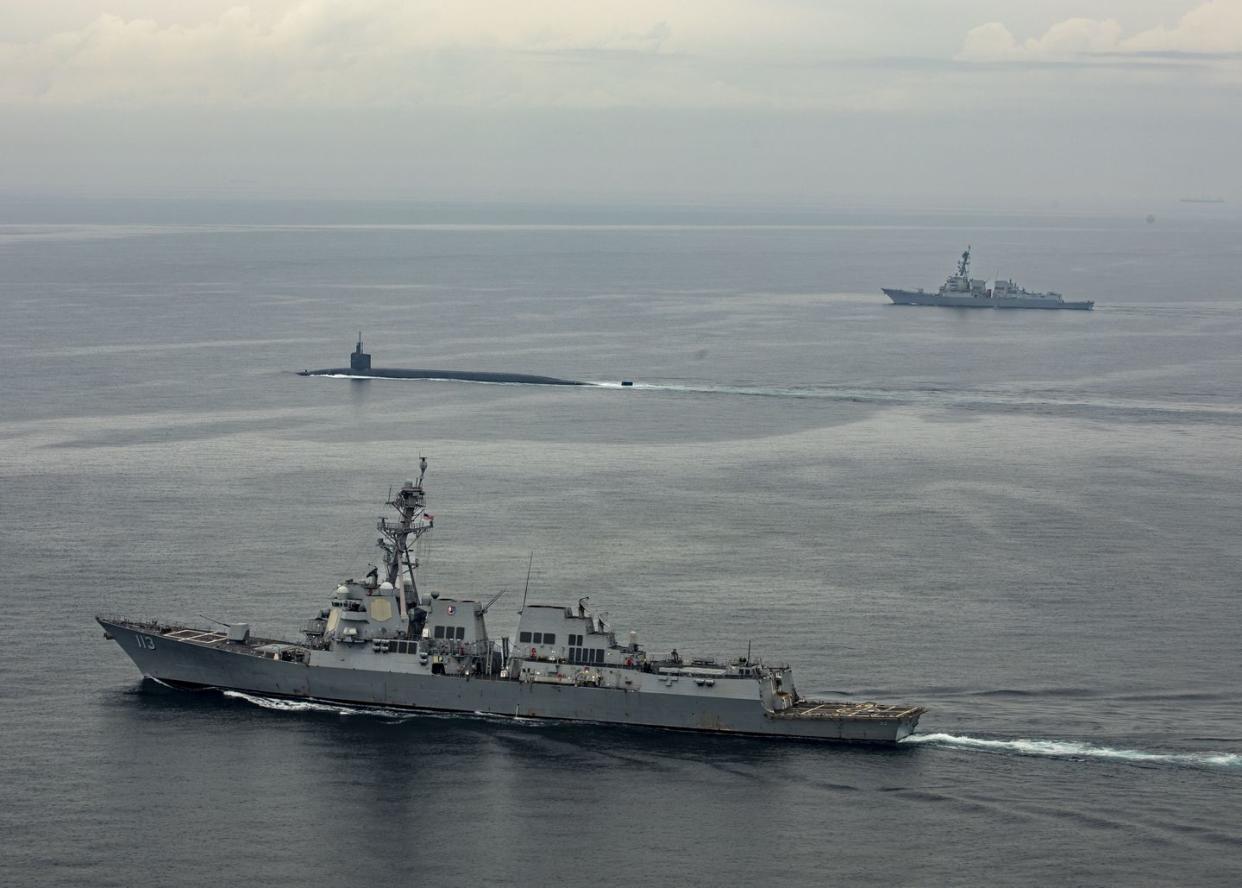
point(383, 642)
point(960, 290)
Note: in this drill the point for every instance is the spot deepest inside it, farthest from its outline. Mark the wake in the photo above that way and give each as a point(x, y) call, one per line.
point(935, 398)
point(1046, 748)
point(276, 704)
point(940, 397)
point(1075, 750)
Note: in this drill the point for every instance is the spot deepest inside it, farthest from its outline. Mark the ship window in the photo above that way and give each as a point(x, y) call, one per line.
point(524, 638)
point(537, 638)
point(573, 652)
point(549, 638)
point(439, 632)
point(461, 632)
point(597, 656)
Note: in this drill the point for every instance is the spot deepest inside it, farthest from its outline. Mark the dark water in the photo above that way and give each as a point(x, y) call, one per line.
point(1027, 522)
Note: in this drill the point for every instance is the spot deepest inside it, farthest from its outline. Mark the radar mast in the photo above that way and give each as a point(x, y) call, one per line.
point(963, 267)
point(413, 521)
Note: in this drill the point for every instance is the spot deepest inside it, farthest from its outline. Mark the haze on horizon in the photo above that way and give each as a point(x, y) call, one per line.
point(978, 103)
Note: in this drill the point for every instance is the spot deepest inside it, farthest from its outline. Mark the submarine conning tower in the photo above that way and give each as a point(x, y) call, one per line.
point(359, 360)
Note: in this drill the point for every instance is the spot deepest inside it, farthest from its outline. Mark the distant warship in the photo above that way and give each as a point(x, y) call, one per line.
point(383, 642)
point(960, 290)
point(360, 366)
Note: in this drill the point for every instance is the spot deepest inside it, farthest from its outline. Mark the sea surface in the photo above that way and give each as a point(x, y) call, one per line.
point(1027, 522)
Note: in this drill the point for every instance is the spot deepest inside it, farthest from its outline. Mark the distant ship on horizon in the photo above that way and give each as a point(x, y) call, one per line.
point(960, 290)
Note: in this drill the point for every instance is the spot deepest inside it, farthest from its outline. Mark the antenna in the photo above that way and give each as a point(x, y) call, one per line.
point(529, 562)
point(493, 600)
point(410, 564)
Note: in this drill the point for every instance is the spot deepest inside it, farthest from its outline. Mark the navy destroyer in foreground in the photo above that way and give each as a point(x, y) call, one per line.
point(960, 290)
point(383, 642)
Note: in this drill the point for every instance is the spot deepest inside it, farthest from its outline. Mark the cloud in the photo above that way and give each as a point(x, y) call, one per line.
point(440, 52)
point(549, 54)
point(1211, 29)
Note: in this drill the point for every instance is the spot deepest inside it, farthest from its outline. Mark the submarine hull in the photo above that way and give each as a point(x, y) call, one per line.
point(457, 375)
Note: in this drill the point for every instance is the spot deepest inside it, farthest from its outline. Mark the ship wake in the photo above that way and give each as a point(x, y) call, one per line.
point(277, 704)
point(968, 399)
point(1074, 750)
point(1066, 403)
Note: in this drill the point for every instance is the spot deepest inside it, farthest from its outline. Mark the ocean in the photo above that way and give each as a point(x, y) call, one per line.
point(1025, 521)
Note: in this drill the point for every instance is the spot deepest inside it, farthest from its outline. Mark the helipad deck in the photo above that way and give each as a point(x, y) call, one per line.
point(830, 710)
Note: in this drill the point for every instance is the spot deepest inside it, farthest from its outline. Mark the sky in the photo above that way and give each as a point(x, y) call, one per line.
point(1080, 104)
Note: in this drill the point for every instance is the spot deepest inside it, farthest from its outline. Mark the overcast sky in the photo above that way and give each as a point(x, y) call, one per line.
point(1077, 103)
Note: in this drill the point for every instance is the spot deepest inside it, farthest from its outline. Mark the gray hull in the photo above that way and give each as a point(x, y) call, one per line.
point(353, 679)
point(458, 375)
point(914, 297)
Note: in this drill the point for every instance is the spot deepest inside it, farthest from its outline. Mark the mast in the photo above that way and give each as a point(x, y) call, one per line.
point(413, 521)
point(963, 267)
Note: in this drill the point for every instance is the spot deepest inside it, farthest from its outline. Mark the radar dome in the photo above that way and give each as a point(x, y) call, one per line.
point(385, 586)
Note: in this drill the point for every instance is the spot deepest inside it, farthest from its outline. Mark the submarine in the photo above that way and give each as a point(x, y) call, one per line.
point(360, 365)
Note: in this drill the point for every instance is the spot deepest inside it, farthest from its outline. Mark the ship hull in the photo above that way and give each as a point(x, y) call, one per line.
point(914, 297)
point(189, 664)
point(442, 375)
